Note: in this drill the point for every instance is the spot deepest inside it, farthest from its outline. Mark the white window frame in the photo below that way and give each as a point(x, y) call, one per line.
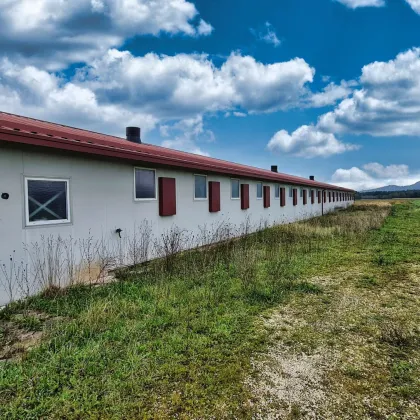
point(207, 188)
point(231, 189)
point(276, 187)
point(262, 191)
point(134, 186)
point(47, 222)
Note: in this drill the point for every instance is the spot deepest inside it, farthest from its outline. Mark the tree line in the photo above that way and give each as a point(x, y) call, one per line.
point(387, 194)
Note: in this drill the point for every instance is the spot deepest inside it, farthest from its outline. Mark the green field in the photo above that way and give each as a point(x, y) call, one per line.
point(328, 308)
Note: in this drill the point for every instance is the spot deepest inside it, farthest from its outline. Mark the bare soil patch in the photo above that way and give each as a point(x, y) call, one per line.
point(21, 332)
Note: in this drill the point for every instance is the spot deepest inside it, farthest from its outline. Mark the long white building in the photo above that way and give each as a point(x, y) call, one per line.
point(70, 197)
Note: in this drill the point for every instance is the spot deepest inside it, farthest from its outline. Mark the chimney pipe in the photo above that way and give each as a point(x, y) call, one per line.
point(133, 134)
point(274, 168)
point(312, 178)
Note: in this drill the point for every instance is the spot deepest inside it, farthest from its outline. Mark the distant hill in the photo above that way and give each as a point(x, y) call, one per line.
point(393, 188)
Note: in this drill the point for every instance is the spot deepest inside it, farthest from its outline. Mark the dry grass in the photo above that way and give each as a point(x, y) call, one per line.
point(352, 352)
point(380, 203)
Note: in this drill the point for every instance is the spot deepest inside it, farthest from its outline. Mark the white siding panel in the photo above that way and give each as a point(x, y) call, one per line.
point(102, 200)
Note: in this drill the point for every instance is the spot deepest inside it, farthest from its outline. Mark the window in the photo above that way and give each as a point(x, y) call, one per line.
point(301, 192)
point(259, 190)
point(47, 201)
point(145, 184)
point(290, 192)
point(277, 191)
point(200, 187)
point(234, 189)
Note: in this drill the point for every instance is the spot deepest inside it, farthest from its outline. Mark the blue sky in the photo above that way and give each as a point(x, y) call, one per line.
point(329, 88)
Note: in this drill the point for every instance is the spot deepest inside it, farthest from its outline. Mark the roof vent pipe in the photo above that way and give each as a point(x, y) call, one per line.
point(133, 134)
point(274, 168)
point(312, 178)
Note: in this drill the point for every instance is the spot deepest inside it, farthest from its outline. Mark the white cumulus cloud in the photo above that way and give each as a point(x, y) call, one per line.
point(119, 89)
point(386, 103)
point(374, 175)
point(185, 85)
point(308, 142)
point(390, 171)
point(415, 5)
point(354, 4)
point(268, 35)
point(36, 93)
point(331, 94)
point(54, 33)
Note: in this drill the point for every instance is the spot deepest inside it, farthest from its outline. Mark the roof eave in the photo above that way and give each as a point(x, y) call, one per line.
point(21, 137)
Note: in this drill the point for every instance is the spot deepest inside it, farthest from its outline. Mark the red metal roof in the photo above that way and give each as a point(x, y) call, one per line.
point(18, 129)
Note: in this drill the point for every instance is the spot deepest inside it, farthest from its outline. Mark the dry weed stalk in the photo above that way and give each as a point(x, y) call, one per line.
point(139, 243)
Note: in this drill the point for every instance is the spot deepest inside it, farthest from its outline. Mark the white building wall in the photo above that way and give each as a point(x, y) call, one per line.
point(102, 200)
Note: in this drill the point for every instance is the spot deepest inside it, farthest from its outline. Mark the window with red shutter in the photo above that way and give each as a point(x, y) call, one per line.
point(312, 197)
point(305, 197)
point(329, 196)
point(244, 196)
point(283, 197)
point(295, 197)
point(266, 196)
point(214, 196)
point(325, 196)
point(167, 196)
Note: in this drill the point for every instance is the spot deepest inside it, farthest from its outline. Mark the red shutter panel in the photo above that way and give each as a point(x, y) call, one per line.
point(333, 196)
point(266, 196)
point(282, 197)
point(167, 196)
point(319, 197)
point(312, 197)
point(325, 196)
point(244, 196)
point(305, 197)
point(214, 196)
point(329, 196)
point(295, 197)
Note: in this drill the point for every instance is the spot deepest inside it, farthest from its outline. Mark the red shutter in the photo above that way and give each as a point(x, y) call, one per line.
point(325, 196)
point(312, 197)
point(319, 197)
point(266, 196)
point(295, 197)
point(167, 196)
point(214, 196)
point(333, 194)
point(282, 197)
point(329, 196)
point(305, 197)
point(244, 196)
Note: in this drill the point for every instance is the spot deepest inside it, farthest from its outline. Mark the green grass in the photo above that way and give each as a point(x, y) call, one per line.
point(176, 338)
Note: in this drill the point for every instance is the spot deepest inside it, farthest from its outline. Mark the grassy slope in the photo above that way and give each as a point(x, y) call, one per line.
point(177, 339)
